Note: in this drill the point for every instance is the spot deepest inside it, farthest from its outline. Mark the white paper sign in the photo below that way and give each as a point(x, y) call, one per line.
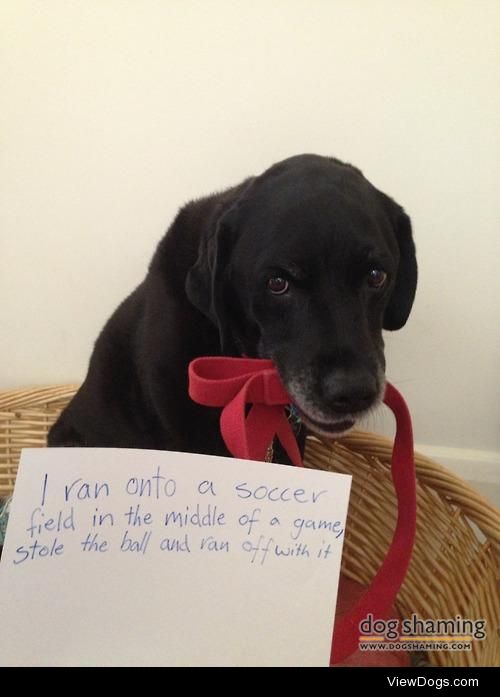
point(151, 558)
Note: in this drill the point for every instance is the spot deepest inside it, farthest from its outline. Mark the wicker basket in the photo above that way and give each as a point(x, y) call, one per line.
point(454, 570)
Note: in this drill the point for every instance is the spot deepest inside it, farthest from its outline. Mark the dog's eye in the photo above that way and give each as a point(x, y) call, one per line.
point(277, 285)
point(376, 278)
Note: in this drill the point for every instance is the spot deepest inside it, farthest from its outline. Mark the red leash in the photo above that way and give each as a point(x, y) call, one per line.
point(233, 383)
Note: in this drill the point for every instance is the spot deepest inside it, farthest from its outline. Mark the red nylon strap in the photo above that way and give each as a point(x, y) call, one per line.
point(380, 595)
point(233, 383)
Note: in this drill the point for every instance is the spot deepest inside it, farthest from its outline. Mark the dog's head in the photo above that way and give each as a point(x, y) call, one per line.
point(306, 267)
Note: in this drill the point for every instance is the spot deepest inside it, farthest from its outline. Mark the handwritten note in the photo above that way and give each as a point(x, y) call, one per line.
point(138, 558)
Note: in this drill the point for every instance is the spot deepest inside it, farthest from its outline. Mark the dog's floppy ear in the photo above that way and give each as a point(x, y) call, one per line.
point(206, 279)
point(403, 293)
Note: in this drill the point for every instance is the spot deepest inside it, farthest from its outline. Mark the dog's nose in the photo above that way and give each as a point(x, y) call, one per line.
point(348, 392)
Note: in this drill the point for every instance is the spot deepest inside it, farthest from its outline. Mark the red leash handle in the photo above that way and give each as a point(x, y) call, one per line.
point(233, 383)
point(382, 592)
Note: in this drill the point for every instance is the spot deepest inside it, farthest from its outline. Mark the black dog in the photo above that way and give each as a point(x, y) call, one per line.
point(305, 264)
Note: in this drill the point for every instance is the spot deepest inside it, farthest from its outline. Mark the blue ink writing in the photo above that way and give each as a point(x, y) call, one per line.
point(173, 544)
point(254, 549)
point(38, 551)
point(213, 545)
point(39, 522)
point(207, 517)
point(324, 551)
point(249, 520)
point(135, 517)
point(99, 519)
point(85, 490)
point(276, 493)
point(299, 549)
point(92, 543)
point(205, 487)
point(263, 547)
point(300, 524)
point(155, 486)
point(44, 489)
point(139, 545)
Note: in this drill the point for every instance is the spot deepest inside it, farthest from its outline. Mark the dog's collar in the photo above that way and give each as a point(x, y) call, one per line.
point(232, 383)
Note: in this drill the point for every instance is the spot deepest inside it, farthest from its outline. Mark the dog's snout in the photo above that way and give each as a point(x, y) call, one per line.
point(348, 392)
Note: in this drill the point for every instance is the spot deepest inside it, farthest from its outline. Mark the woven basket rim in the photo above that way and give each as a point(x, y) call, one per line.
point(475, 505)
point(44, 394)
point(428, 471)
point(459, 529)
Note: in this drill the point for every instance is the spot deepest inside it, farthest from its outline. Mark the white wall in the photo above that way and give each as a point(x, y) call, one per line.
point(115, 112)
